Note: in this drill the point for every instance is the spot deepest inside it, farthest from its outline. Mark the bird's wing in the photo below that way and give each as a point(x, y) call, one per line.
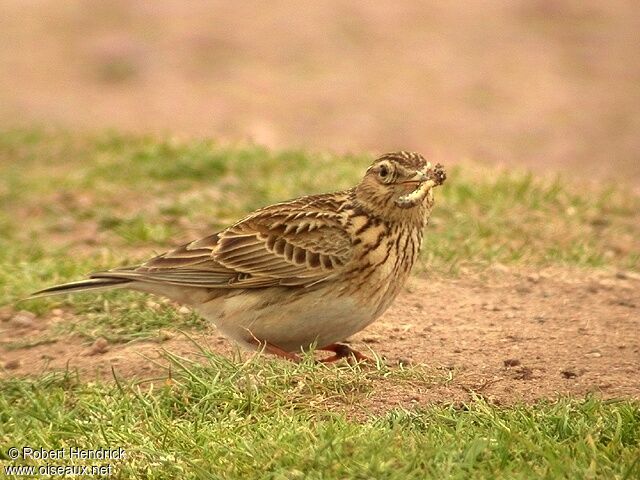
point(278, 245)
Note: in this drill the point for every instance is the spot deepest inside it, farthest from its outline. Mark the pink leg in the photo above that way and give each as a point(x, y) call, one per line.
point(275, 350)
point(343, 351)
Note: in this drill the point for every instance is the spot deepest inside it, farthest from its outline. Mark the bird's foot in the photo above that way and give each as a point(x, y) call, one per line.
point(341, 351)
point(275, 350)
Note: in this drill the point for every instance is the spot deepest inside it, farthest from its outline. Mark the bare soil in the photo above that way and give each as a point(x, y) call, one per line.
point(505, 335)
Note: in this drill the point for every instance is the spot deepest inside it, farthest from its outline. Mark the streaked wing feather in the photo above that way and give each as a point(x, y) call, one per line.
point(295, 244)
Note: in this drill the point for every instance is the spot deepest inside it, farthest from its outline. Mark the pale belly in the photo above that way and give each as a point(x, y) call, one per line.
point(289, 320)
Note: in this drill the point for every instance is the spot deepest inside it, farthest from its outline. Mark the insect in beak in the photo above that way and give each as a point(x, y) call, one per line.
point(425, 181)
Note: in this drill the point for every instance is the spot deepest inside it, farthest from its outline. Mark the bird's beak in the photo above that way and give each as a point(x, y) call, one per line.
point(419, 177)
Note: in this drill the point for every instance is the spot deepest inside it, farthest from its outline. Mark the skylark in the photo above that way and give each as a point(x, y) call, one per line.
point(310, 271)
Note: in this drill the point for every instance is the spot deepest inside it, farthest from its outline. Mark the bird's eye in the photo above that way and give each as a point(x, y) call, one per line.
point(384, 171)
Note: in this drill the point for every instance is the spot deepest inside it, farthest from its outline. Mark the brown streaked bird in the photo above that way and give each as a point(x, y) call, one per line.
point(310, 271)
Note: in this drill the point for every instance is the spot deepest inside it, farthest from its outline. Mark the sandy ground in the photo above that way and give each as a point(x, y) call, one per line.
point(505, 335)
point(544, 84)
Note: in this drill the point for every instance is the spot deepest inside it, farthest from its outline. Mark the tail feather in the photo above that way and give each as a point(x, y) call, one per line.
point(92, 284)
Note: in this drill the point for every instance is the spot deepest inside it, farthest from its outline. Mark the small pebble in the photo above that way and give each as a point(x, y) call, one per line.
point(523, 373)
point(24, 319)
point(5, 314)
point(100, 346)
point(165, 335)
point(184, 310)
point(511, 362)
point(533, 278)
point(499, 267)
point(491, 307)
point(371, 339)
point(624, 275)
point(12, 364)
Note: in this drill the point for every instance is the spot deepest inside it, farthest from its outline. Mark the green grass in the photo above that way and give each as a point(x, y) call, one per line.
point(274, 420)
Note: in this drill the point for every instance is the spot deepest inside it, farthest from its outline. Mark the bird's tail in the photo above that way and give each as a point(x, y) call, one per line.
point(92, 284)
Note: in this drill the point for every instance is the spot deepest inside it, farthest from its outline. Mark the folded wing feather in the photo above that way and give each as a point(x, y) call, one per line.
point(269, 248)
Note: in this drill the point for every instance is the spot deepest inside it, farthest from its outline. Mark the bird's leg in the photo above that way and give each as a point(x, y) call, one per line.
point(278, 352)
point(274, 349)
point(343, 351)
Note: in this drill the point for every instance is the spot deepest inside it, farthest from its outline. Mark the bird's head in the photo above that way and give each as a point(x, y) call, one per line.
point(399, 184)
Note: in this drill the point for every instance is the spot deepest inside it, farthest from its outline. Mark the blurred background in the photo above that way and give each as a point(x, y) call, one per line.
point(542, 84)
